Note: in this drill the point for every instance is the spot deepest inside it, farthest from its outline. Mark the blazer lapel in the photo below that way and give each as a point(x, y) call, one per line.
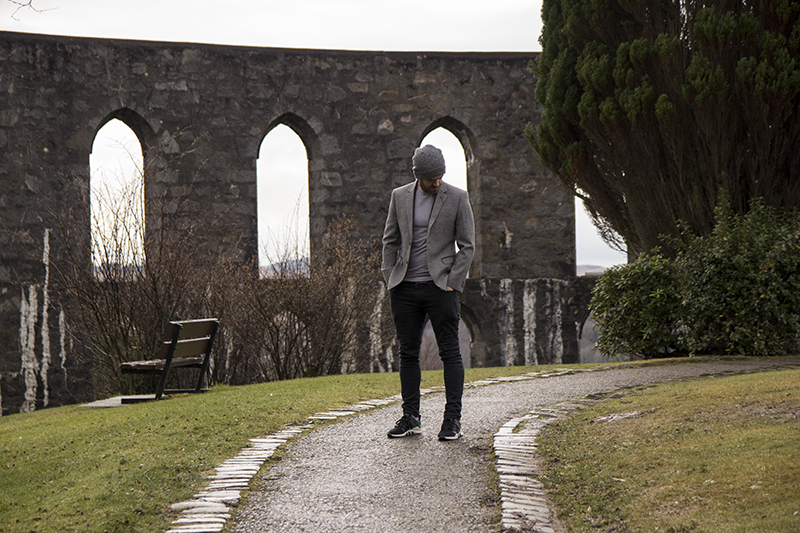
point(441, 196)
point(406, 211)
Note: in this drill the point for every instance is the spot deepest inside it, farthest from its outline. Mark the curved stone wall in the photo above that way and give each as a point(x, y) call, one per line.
point(205, 109)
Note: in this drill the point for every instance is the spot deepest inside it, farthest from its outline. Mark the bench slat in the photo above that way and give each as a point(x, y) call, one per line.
point(154, 366)
point(187, 344)
point(151, 366)
point(190, 348)
point(192, 329)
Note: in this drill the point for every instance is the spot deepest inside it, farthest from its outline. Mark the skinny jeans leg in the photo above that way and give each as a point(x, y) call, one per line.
point(411, 304)
point(409, 314)
point(445, 315)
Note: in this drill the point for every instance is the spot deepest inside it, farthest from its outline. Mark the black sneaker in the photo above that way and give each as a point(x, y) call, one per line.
point(408, 425)
point(451, 429)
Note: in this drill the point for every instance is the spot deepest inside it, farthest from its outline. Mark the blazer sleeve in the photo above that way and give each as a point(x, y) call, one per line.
point(391, 240)
point(465, 238)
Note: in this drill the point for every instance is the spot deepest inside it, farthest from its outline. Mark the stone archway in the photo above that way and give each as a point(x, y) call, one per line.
point(283, 196)
point(137, 124)
point(116, 191)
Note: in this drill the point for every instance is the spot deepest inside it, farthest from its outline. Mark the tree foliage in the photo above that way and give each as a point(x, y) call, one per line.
point(652, 107)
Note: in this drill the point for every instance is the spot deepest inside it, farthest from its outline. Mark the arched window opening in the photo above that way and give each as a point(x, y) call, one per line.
point(587, 344)
point(587, 341)
point(283, 213)
point(116, 181)
point(454, 156)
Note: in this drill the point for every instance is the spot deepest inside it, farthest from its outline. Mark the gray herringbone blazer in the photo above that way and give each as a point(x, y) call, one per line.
point(451, 222)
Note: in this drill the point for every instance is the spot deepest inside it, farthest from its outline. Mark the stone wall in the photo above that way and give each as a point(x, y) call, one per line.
point(205, 110)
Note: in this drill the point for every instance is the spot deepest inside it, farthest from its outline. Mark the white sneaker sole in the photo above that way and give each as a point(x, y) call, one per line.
point(412, 431)
point(459, 434)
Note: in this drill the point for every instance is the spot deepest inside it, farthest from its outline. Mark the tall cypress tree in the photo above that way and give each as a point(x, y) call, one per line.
point(652, 108)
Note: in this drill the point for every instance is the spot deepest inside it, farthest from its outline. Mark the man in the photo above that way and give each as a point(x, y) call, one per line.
point(425, 275)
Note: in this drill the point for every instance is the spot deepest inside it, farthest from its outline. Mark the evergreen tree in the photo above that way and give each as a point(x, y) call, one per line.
point(652, 108)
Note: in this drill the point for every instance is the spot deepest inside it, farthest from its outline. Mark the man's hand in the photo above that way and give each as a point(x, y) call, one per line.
point(449, 288)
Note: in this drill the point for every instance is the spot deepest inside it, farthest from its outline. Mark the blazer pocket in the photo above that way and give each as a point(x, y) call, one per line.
point(449, 260)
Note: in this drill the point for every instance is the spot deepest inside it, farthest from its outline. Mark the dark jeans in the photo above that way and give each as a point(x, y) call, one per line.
point(411, 303)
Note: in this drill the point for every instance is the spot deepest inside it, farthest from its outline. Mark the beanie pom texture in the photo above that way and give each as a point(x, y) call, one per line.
point(428, 162)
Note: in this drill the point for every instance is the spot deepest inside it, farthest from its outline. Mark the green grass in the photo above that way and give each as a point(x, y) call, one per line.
point(715, 455)
point(81, 469)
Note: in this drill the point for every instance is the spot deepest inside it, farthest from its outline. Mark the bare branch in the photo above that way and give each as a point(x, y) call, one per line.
point(24, 5)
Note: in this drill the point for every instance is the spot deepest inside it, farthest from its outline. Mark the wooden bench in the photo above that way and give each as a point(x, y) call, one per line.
point(186, 344)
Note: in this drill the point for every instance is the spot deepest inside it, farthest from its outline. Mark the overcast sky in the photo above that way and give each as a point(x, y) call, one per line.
point(416, 25)
point(388, 25)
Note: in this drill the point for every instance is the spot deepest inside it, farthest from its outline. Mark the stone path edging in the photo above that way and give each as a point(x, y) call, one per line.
point(522, 497)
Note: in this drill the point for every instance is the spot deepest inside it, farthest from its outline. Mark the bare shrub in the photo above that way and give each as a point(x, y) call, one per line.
point(307, 316)
point(119, 305)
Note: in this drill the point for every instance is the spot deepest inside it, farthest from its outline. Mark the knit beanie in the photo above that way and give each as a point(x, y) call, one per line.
point(428, 162)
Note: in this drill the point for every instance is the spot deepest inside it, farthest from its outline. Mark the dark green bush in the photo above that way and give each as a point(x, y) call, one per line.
point(636, 307)
point(735, 290)
point(741, 283)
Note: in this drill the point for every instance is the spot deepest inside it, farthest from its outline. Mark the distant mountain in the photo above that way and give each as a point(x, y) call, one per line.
point(590, 270)
point(291, 267)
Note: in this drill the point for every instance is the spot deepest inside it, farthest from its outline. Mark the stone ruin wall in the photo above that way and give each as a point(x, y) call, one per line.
point(360, 116)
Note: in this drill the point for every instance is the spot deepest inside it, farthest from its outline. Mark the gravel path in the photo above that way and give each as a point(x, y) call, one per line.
point(349, 477)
